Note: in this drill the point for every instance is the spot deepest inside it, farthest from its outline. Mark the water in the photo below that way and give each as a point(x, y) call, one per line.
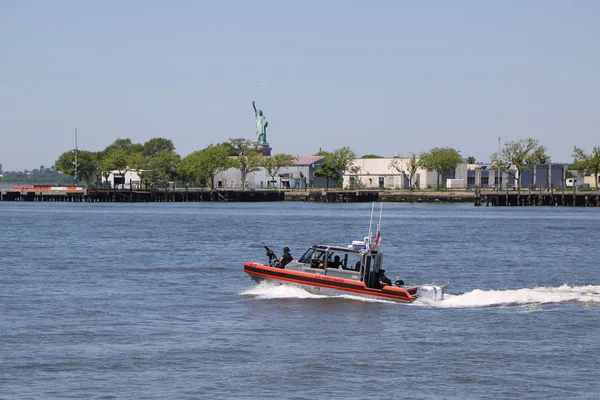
point(149, 301)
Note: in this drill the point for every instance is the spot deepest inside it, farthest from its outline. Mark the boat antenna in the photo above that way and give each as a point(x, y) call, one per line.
point(371, 222)
point(377, 240)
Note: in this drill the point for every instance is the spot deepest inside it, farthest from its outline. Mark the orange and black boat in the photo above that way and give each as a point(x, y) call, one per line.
point(333, 270)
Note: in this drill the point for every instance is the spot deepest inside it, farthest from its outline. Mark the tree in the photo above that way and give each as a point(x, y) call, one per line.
point(273, 164)
point(410, 170)
point(246, 158)
point(471, 160)
point(205, 164)
point(86, 165)
point(190, 169)
point(335, 163)
point(141, 165)
point(156, 146)
point(442, 160)
point(587, 163)
point(521, 154)
point(164, 167)
point(116, 159)
point(125, 144)
point(371, 156)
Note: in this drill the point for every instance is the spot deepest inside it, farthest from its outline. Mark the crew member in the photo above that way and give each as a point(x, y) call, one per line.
point(336, 262)
point(286, 257)
point(383, 280)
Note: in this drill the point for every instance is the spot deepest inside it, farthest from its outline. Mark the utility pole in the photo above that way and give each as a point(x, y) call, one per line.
point(498, 161)
point(75, 162)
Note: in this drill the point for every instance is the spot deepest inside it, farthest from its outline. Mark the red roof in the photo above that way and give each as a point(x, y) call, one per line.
point(307, 160)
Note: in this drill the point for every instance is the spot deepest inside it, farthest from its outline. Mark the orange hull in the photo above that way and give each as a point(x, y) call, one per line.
point(263, 272)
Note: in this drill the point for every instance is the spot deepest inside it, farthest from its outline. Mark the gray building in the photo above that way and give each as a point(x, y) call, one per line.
point(300, 175)
point(544, 176)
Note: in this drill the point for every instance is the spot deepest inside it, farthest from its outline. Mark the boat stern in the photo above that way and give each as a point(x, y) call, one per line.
point(431, 292)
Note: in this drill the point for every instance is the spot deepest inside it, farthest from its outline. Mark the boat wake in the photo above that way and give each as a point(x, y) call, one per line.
point(589, 295)
point(266, 290)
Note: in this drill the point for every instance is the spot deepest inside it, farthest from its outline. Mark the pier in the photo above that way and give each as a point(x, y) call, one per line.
point(538, 198)
point(477, 197)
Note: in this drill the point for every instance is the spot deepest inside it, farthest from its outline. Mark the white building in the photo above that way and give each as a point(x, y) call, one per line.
point(300, 175)
point(117, 180)
point(379, 173)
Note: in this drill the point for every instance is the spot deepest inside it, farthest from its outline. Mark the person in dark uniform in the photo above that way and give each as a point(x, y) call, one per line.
point(286, 257)
point(383, 280)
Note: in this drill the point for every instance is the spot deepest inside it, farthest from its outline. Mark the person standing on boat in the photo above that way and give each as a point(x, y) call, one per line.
point(286, 257)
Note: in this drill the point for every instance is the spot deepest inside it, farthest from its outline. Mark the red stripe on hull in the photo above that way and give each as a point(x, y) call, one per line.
point(344, 285)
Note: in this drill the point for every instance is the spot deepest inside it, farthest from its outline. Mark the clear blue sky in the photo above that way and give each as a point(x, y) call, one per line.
point(378, 76)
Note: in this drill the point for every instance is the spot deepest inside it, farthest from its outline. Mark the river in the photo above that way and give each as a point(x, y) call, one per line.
point(149, 301)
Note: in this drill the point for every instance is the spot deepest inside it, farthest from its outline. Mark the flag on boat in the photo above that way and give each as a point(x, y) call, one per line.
point(378, 238)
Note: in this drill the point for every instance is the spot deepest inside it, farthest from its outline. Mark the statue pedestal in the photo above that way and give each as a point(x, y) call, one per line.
point(263, 149)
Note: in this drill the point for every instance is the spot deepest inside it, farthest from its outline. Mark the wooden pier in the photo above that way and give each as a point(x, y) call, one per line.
point(538, 198)
point(477, 197)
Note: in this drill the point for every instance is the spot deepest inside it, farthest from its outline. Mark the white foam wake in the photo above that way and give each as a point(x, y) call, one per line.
point(267, 290)
point(539, 295)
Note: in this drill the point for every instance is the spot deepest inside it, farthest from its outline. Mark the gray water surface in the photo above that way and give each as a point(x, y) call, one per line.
point(149, 301)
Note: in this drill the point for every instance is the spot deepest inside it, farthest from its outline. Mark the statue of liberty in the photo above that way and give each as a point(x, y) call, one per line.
point(261, 125)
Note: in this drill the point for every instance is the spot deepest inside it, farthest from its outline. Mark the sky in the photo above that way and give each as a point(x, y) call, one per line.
point(381, 77)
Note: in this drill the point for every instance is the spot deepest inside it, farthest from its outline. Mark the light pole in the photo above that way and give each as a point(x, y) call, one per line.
point(498, 161)
point(75, 162)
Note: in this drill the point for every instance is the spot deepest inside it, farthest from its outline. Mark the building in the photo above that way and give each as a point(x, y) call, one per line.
point(544, 176)
point(300, 175)
point(484, 177)
point(131, 179)
point(587, 180)
point(380, 173)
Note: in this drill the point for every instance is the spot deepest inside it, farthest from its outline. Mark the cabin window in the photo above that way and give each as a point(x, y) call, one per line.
point(314, 257)
point(352, 262)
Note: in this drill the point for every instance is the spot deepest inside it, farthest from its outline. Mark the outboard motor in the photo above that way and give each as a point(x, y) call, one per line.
point(431, 292)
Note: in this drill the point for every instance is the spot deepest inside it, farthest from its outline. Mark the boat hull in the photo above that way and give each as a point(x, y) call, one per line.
point(327, 285)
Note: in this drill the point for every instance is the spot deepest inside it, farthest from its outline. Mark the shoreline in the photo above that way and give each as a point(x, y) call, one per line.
point(476, 197)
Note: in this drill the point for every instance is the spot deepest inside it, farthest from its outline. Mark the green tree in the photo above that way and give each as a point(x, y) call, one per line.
point(157, 146)
point(190, 169)
point(164, 167)
point(116, 159)
point(86, 165)
point(471, 160)
point(125, 144)
point(139, 163)
point(587, 163)
point(335, 163)
point(203, 165)
point(442, 160)
point(521, 153)
point(247, 159)
point(273, 164)
point(371, 156)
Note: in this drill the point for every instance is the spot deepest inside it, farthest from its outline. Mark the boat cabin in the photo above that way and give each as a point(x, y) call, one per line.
point(356, 262)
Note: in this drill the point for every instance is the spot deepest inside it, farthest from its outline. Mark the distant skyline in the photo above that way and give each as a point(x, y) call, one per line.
point(382, 77)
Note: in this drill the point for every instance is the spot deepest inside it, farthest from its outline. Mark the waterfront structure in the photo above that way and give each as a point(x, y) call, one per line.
point(591, 181)
point(299, 175)
point(129, 180)
point(379, 173)
point(485, 177)
point(544, 176)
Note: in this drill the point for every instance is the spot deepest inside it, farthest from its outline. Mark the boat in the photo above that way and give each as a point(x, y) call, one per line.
point(355, 269)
